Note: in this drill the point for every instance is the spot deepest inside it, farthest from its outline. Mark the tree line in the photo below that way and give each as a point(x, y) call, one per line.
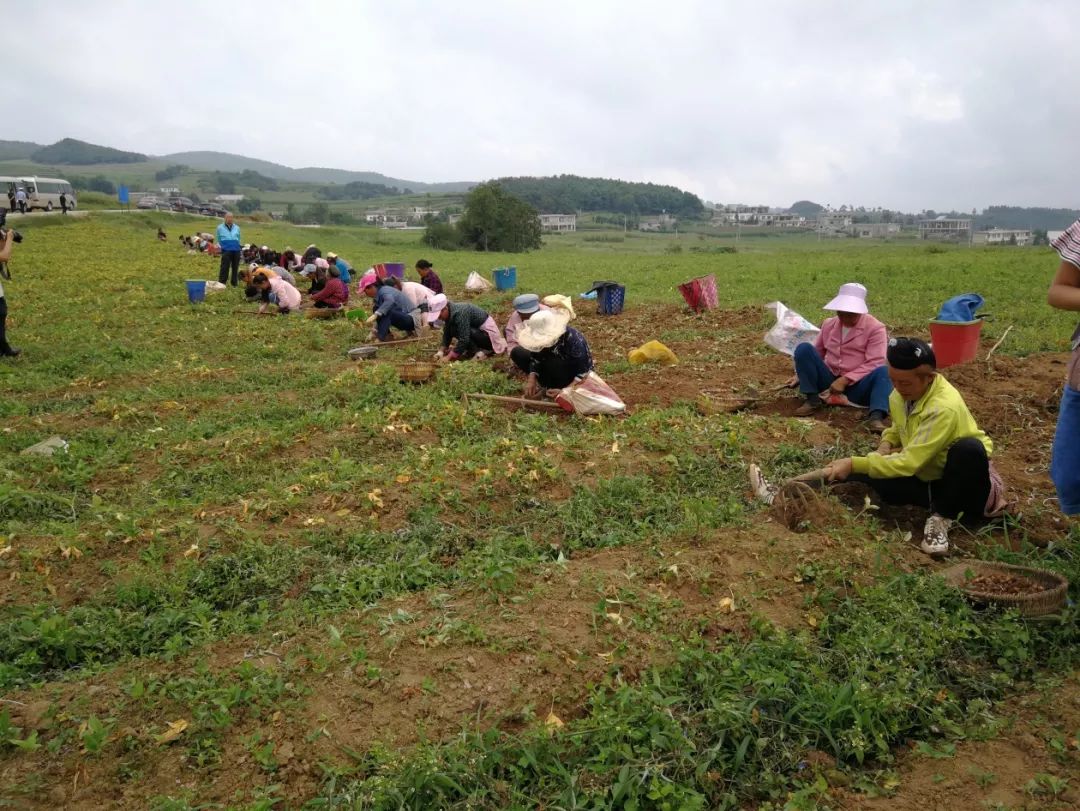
point(570, 193)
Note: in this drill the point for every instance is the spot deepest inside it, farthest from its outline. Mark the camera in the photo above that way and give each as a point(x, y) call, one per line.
point(3, 234)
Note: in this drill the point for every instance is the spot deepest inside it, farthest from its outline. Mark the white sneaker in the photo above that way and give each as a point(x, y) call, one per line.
point(936, 536)
point(763, 489)
point(481, 355)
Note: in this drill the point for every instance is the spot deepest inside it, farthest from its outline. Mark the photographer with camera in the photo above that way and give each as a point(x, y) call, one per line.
point(7, 239)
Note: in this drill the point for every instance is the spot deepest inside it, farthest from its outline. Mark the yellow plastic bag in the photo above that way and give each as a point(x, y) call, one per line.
point(653, 352)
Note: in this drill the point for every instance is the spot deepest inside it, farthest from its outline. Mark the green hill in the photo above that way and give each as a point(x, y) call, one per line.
point(17, 150)
point(565, 193)
point(227, 162)
point(70, 152)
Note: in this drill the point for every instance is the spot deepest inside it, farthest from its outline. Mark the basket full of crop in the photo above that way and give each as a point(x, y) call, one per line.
point(1032, 592)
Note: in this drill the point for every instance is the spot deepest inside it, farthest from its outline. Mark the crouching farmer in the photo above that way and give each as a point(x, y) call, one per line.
point(552, 354)
point(473, 333)
point(392, 308)
point(281, 293)
point(933, 456)
point(848, 358)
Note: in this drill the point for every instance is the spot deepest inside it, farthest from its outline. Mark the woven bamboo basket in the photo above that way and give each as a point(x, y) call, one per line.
point(1047, 601)
point(417, 372)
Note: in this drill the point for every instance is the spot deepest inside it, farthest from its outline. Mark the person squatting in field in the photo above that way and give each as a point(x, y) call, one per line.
point(468, 331)
point(846, 360)
point(1064, 294)
point(550, 353)
point(934, 455)
point(428, 277)
point(277, 291)
point(334, 294)
point(392, 308)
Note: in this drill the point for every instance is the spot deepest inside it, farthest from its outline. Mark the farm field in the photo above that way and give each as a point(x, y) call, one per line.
point(264, 576)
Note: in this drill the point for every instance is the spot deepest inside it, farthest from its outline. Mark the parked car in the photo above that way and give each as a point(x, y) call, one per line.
point(181, 204)
point(212, 210)
point(148, 202)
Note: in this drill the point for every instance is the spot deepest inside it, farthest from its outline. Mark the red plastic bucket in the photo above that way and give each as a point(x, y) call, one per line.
point(955, 341)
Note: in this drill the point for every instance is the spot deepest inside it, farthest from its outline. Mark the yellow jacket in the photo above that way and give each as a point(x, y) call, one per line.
point(924, 435)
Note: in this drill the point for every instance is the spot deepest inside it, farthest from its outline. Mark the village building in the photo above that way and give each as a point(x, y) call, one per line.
point(947, 229)
point(660, 222)
point(875, 230)
point(833, 224)
point(558, 223)
point(1002, 236)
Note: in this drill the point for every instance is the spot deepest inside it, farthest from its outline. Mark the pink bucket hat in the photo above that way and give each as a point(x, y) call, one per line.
point(850, 299)
point(368, 279)
point(322, 263)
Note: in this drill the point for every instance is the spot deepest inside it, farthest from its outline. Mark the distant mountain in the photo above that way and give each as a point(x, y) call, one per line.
point(227, 162)
point(71, 152)
point(806, 208)
point(17, 150)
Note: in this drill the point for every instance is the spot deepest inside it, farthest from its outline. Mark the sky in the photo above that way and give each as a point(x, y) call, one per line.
point(904, 105)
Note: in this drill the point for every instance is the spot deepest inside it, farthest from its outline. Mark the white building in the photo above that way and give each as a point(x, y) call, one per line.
point(558, 223)
point(658, 223)
point(945, 229)
point(229, 198)
point(875, 230)
point(833, 224)
point(1002, 236)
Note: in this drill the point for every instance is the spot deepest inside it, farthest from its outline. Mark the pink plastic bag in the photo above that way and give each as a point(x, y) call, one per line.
point(591, 396)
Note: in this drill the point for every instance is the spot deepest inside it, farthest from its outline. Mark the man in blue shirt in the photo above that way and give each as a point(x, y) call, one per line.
point(228, 239)
point(342, 265)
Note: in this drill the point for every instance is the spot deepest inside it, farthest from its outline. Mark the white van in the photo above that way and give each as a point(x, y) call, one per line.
point(44, 192)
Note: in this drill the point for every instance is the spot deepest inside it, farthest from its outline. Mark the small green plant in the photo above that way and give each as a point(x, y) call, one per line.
point(1046, 785)
point(93, 733)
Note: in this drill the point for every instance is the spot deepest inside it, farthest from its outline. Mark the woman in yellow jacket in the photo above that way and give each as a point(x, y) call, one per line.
point(933, 456)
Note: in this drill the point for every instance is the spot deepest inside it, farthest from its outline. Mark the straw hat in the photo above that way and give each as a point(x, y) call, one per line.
point(850, 299)
point(561, 303)
point(543, 329)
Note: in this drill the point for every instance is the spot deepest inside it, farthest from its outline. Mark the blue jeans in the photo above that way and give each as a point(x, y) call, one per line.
point(1065, 458)
point(394, 318)
point(815, 377)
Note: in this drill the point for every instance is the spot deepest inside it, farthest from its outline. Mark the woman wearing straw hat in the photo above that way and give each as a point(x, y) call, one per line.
point(847, 359)
point(552, 353)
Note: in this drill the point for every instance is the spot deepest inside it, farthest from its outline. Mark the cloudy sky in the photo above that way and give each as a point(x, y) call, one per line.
point(902, 104)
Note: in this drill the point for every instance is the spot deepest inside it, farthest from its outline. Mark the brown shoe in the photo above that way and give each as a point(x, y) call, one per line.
point(875, 426)
point(808, 408)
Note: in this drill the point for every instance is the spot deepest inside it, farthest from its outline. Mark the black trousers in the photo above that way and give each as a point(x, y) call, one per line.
point(481, 342)
point(552, 371)
point(961, 492)
point(5, 347)
point(230, 259)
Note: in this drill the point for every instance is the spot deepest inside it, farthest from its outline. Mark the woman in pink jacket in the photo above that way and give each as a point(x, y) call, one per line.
point(848, 358)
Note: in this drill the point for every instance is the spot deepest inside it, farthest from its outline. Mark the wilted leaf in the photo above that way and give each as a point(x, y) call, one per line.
point(615, 618)
point(727, 605)
point(192, 551)
point(343, 512)
point(615, 447)
point(174, 731)
point(7, 550)
point(403, 479)
point(71, 552)
point(811, 620)
point(553, 722)
point(374, 497)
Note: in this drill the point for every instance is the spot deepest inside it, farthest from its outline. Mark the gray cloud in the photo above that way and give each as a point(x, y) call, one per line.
point(905, 106)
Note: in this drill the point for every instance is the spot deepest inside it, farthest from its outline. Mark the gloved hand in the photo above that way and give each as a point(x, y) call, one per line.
point(481, 355)
point(438, 355)
point(371, 319)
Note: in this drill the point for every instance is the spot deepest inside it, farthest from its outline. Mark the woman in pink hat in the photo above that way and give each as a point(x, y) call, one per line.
point(848, 358)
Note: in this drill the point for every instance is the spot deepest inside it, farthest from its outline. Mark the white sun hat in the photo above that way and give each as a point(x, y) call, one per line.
point(850, 299)
point(435, 307)
point(543, 329)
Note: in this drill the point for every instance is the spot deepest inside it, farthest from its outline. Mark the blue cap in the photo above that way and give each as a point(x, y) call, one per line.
point(527, 303)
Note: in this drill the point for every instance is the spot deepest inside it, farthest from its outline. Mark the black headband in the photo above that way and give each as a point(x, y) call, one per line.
point(910, 353)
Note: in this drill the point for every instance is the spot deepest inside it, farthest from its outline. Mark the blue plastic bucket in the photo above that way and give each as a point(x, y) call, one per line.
point(610, 299)
point(505, 278)
point(196, 290)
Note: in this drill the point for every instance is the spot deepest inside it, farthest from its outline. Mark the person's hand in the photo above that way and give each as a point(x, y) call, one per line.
point(885, 449)
point(438, 355)
point(791, 382)
point(443, 358)
point(532, 386)
point(839, 470)
point(371, 319)
point(839, 385)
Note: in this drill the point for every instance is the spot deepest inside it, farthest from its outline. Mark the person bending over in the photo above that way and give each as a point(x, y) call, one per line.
point(472, 332)
point(334, 294)
point(934, 455)
point(551, 353)
point(280, 292)
point(392, 309)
